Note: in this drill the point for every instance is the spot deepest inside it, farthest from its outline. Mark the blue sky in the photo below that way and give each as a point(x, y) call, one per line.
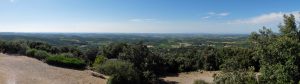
point(143, 16)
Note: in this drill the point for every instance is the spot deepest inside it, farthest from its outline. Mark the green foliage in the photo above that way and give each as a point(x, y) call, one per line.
point(40, 46)
point(120, 72)
point(38, 54)
point(236, 77)
point(234, 58)
point(182, 59)
point(31, 52)
point(210, 59)
point(98, 61)
point(279, 54)
point(279, 74)
point(91, 54)
point(63, 61)
point(14, 47)
point(113, 50)
point(68, 54)
point(200, 82)
point(289, 28)
point(150, 65)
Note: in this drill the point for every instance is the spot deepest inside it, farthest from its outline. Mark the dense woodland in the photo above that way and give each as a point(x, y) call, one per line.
point(143, 58)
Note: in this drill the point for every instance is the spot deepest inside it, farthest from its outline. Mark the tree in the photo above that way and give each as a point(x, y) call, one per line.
point(279, 54)
point(98, 61)
point(144, 60)
point(289, 28)
point(121, 72)
point(14, 47)
point(113, 50)
point(235, 58)
point(91, 54)
point(210, 59)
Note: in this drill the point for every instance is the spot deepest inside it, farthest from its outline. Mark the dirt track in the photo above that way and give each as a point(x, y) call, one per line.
point(25, 70)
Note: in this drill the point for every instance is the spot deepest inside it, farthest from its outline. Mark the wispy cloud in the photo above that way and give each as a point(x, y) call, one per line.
point(214, 14)
point(270, 18)
point(223, 14)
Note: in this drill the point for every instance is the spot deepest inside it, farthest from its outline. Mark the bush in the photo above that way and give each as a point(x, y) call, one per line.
point(30, 52)
point(98, 61)
point(41, 55)
point(38, 54)
point(68, 55)
point(200, 82)
point(14, 47)
point(236, 77)
point(121, 72)
point(63, 61)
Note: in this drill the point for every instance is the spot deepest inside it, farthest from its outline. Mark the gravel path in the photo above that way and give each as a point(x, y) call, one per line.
point(25, 70)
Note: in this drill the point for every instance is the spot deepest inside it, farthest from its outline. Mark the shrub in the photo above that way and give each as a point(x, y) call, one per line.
point(68, 54)
point(38, 54)
point(14, 47)
point(236, 77)
point(41, 55)
point(63, 61)
point(200, 82)
point(121, 72)
point(98, 61)
point(30, 52)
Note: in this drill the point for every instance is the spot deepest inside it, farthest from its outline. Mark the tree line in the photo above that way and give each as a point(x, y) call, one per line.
point(130, 63)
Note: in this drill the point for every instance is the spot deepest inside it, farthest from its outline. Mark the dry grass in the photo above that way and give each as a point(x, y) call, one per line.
point(190, 77)
point(25, 70)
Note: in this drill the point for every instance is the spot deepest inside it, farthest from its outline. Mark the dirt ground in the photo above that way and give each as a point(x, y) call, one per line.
point(25, 70)
point(190, 77)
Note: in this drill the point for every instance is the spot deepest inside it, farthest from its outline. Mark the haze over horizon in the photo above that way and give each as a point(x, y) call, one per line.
point(143, 16)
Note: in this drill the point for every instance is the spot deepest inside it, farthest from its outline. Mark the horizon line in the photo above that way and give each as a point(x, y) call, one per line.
point(121, 33)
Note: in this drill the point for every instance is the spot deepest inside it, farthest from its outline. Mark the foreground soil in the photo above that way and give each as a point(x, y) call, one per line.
point(25, 70)
point(190, 77)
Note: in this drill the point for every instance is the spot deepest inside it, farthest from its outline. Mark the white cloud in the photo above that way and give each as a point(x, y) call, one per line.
point(270, 18)
point(214, 14)
point(223, 14)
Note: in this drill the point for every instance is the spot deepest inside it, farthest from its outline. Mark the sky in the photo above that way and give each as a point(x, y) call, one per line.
point(144, 16)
